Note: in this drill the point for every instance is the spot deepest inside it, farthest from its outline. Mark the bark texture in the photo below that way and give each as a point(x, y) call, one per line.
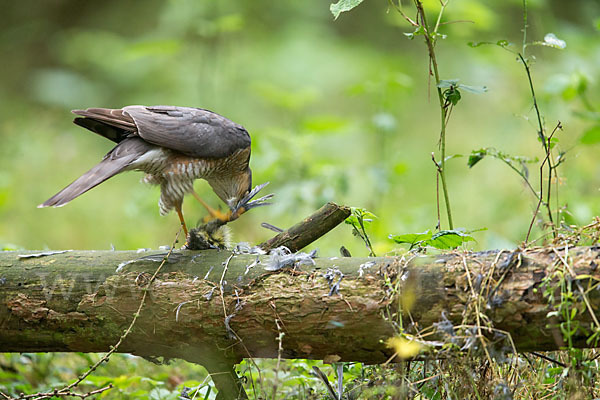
point(210, 308)
point(310, 229)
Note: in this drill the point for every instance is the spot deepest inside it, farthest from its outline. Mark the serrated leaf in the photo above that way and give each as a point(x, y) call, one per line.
point(442, 240)
point(591, 136)
point(343, 6)
point(411, 238)
point(450, 239)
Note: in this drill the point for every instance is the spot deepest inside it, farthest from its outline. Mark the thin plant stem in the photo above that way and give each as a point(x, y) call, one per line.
point(430, 41)
point(546, 142)
point(524, 27)
point(540, 200)
point(535, 104)
point(366, 237)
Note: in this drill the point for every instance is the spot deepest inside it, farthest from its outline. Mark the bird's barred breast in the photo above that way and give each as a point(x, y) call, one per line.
point(168, 164)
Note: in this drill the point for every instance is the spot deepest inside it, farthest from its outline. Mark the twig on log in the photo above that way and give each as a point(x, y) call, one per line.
point(310, 229)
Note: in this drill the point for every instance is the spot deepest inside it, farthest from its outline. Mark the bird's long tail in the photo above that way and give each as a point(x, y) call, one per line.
point(117, 160)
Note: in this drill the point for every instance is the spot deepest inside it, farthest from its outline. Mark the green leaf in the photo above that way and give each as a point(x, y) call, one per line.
point(359, 215)
point(412, 238)
point(476, 156)
point(343, 6)
point(477, 44)
point(449, 239)
point(591, 136)
point(515, 162)
point(443, 240)
point(499, 43)
point(418, 31)
point(352, 220)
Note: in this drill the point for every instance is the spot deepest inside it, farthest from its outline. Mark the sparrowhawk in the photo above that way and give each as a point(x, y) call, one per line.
point(174, 146)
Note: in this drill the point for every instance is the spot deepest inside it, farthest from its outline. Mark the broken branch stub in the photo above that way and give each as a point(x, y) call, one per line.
point(309, 229)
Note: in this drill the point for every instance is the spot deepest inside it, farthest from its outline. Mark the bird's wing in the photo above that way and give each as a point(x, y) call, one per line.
point(114, 117)
point(191, 131)
point(113, 124)
point(117, 160)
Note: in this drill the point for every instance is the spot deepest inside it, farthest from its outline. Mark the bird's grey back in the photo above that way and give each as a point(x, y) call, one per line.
point(192, 131)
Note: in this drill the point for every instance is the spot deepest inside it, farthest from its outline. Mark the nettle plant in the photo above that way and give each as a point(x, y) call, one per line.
point(449, 94)
point(561, 287)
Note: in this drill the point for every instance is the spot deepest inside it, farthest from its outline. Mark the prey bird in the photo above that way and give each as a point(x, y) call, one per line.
point(174, 146)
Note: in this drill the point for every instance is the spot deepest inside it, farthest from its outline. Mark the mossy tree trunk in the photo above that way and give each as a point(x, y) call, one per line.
point(340, 309)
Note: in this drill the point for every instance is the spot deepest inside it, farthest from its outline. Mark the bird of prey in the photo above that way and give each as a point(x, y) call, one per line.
point(174, 146)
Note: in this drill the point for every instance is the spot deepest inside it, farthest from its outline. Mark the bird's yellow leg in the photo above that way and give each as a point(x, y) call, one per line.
point(180, 214)
point(214, 213)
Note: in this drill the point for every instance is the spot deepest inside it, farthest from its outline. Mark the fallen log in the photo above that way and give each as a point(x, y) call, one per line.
point(214, 305)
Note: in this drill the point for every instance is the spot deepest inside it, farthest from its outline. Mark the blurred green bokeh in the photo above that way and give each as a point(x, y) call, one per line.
point(338, 111)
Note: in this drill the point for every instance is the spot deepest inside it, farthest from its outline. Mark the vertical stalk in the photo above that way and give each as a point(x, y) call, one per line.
point(541, 135)
point(524, 27)
point(546, 142)
point(430, 41)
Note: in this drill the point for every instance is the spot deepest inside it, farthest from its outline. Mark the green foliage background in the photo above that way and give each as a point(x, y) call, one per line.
point(340, 112)
point(337, 111)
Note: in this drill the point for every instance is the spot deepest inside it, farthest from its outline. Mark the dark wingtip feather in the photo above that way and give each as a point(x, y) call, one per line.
point(64, 196)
